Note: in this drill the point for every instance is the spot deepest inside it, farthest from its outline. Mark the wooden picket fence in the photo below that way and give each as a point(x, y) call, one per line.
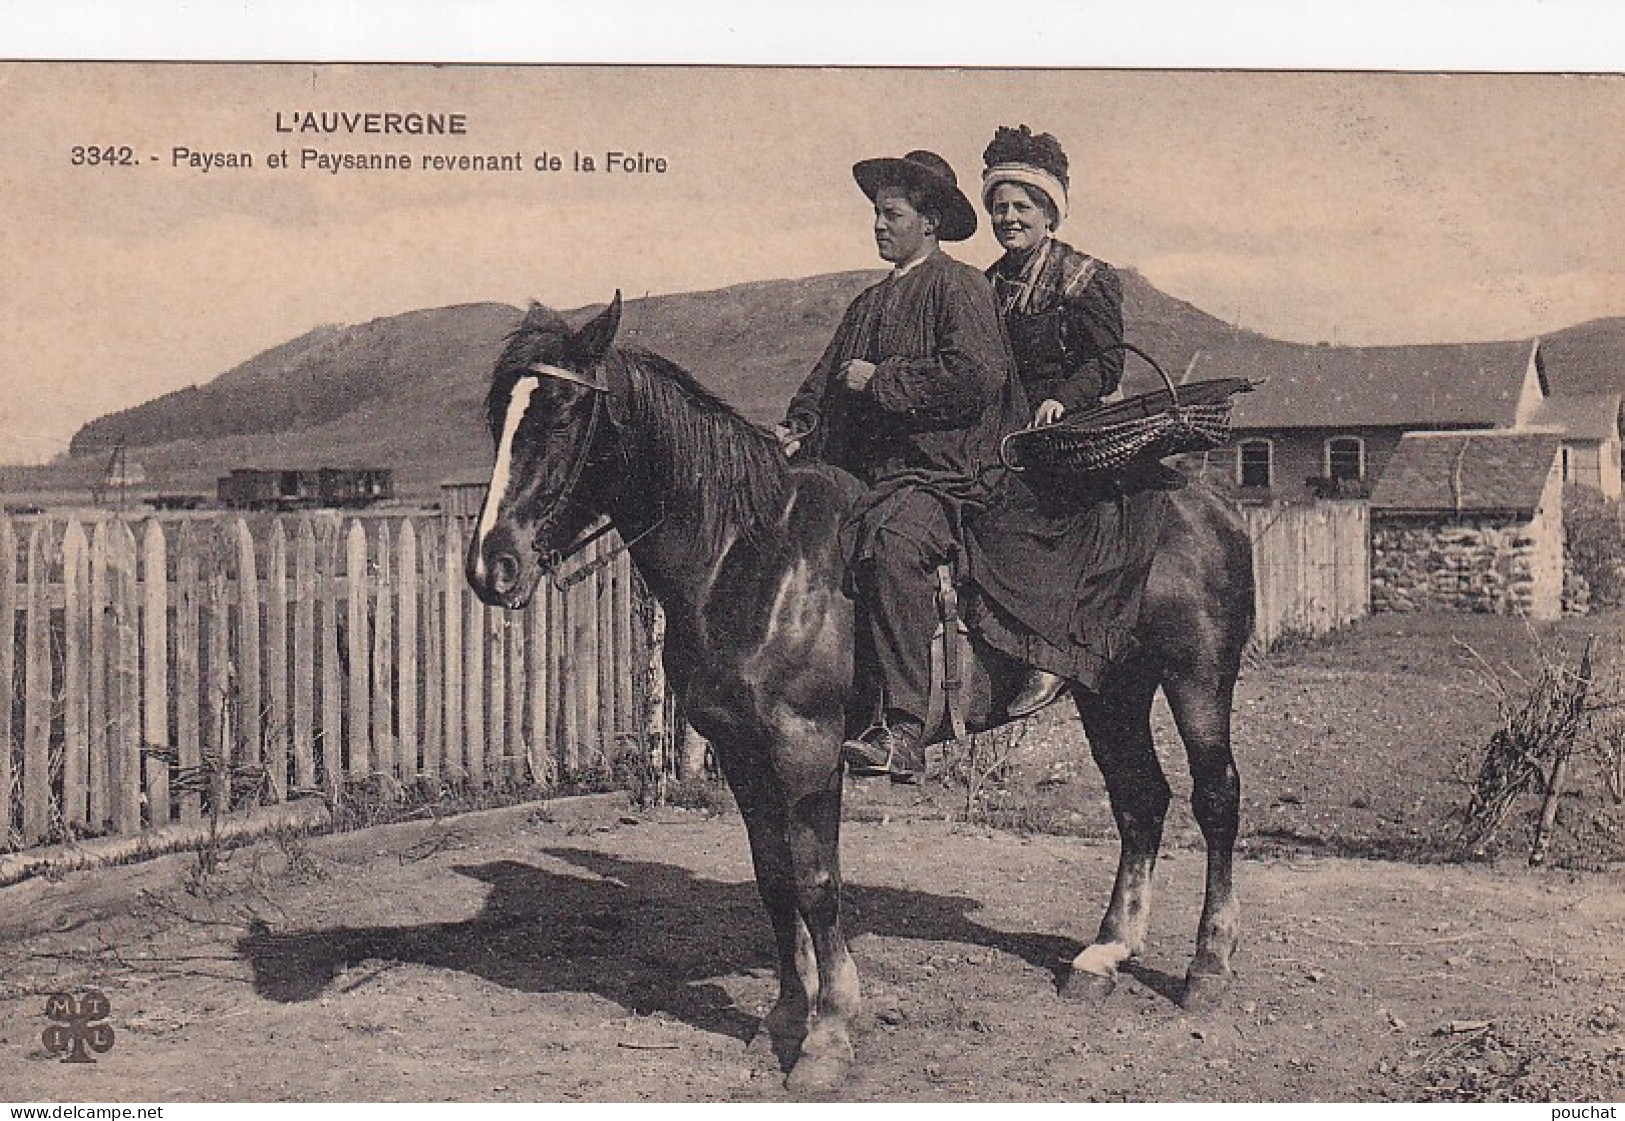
point(1311, 567)
point(160, 667)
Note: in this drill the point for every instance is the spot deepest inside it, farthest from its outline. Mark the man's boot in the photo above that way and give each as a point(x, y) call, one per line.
point(1041, 690)
point(896, 747)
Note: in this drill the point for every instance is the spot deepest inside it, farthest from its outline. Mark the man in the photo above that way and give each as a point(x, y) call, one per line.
point(911, 396)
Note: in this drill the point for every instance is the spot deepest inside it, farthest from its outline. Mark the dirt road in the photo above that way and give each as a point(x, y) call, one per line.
point(582, 951)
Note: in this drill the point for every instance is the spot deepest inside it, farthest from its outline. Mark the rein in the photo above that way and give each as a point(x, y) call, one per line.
point(556, 558)
point(553, 559)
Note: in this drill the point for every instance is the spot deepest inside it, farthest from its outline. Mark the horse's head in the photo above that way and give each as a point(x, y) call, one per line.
point(549, 417)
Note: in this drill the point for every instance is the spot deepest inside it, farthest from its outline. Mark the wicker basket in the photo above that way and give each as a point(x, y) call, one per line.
point(1169, 421)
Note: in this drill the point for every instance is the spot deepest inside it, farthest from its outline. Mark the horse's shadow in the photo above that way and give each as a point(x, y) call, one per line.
point(648, 936)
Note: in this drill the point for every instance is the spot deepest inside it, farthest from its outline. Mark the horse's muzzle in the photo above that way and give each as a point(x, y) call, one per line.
point(499, 575)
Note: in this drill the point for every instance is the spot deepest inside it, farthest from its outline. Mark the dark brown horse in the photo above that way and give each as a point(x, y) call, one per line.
point(741, 550)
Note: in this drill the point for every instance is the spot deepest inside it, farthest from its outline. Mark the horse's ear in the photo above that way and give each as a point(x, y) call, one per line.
point(536, 317)
point(592, 341)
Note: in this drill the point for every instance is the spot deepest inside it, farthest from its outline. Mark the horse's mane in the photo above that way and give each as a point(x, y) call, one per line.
point(711, 460)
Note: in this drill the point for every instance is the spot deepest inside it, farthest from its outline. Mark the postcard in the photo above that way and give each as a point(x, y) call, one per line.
point(765, 583)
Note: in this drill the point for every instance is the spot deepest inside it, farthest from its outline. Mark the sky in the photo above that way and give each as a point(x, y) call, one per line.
point(1357, 208)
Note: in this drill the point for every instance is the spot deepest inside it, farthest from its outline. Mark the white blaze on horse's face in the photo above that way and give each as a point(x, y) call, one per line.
point(501, 474)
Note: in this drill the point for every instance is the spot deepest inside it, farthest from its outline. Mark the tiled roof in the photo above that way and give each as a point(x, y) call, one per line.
point(1581, 417)
point(1467, 472)
point(1437, 386)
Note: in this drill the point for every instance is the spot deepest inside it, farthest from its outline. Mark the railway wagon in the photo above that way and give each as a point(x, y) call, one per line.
point(298, 488)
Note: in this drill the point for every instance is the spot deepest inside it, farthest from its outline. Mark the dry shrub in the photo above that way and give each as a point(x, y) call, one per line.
point(1555, 768)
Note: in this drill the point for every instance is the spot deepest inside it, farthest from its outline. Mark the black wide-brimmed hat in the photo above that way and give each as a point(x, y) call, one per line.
point(928, 172)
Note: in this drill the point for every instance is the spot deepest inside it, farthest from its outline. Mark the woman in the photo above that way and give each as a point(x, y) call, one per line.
point(1062, 308)
point(1061, 570)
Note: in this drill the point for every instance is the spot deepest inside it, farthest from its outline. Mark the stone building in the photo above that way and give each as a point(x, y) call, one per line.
point(1470, 521)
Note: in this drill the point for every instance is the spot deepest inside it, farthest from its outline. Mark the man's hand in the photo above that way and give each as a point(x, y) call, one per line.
point(856, 373)
point(789, 440)
point(1049, 412)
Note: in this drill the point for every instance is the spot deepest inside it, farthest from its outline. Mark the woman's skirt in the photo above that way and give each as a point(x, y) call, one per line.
point(1058, 575)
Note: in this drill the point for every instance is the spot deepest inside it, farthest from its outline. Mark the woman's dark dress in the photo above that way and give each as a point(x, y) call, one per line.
point(1060, 569)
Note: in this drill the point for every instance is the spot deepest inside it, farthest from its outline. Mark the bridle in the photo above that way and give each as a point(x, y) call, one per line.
point(553, 559)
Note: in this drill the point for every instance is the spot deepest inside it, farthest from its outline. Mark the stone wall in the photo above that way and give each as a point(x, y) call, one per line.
point(1485, 565)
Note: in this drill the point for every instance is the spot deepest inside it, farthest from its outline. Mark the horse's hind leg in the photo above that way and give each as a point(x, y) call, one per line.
point(1202, 712)
point(1118, 722)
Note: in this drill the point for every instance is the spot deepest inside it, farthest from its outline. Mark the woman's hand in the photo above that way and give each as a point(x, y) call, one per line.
point(789, 439)
point(1049, 412)
point(857, 374)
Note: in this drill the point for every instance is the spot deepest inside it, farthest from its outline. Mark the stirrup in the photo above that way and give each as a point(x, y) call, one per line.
point(860, 756)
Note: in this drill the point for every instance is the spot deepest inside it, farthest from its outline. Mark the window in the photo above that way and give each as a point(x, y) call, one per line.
point(1345, 459)
point(1255, 463)
point(1567, 454)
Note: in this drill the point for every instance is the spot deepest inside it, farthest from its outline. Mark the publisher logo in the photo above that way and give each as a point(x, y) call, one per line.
point(77, 1030)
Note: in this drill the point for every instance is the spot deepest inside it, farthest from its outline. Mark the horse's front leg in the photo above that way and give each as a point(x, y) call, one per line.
point(815, 827)
point(1118, 723)
point(763, 808)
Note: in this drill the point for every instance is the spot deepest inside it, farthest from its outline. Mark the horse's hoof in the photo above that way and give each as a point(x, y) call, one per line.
point(1204, 990)
point(1088, 988)
point(779, 1035)
point(817, 1073)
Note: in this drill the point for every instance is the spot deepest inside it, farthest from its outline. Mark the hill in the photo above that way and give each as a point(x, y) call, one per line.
point(405, 391)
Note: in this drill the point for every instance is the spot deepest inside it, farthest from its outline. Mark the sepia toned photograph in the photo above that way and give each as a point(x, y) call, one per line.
point(718, 583)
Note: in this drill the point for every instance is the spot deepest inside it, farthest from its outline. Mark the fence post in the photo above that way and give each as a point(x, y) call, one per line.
point(496, 697)
point(538, 683)
point(383, 638)
point(355, 582)
point(434, 692)
point(126, 741)
point(155, 739)
point(406, 706)
point(332, 761)
point(250, 722)
point(621, 611)
point(101, 770)
point(188, 635)
point(452, 646)
point(36, 694)
point(654, 728)
point(76, 675)
point(304, 654)
point(586, 648)
point(473, 640)
point(276, 661)
point(1363, 553)
point(219, 689)
point(603, 595)
point(516, 748)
